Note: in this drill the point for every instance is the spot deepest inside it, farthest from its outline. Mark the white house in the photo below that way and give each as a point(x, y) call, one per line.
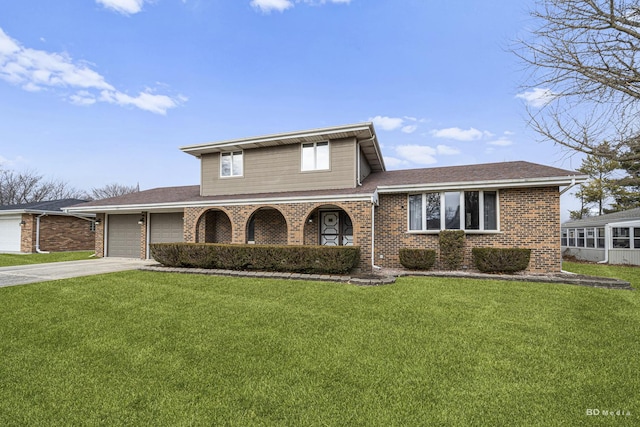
point(611, 238)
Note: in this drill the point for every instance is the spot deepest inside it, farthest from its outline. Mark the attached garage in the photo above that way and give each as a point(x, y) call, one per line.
point(10, 232)
point(123, 236)
point(166, 227)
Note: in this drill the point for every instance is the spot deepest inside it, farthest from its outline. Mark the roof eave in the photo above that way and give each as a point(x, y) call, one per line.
point(487, 184)
point(227, 202)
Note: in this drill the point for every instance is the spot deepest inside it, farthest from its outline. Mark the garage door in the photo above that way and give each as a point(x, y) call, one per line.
point(166, 228)
point(10, 231)
point(123, 236)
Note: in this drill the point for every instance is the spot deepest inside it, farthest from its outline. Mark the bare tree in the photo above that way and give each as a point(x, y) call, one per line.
point(583, 58)
point(112, 190)
point(28, 186)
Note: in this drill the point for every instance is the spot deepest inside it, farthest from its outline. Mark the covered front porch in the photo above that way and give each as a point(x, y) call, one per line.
point(330, 224)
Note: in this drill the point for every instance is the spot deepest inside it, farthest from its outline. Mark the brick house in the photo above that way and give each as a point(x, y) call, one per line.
point(330, 187)
point(44, 227)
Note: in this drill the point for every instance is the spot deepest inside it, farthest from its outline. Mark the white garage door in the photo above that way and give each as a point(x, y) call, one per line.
point(123, 236)
point(167, 228)
point(10, 231)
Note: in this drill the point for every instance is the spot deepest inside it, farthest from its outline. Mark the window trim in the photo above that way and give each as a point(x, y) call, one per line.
point(441, 193)
point(315, 156)
point(232, 153)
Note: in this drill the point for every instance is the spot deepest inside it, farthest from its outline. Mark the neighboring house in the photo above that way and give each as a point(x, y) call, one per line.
point(44, 227)
point(612, 238)
point(330, 187)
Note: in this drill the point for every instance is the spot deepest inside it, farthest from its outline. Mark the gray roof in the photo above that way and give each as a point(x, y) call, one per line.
point(521, 173)
point(596, 221)
point(44, 206)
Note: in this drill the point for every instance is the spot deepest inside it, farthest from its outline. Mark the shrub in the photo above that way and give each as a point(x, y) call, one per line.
point(298, 259)
point(417, 259)
point(501, 260)
point(451, 249)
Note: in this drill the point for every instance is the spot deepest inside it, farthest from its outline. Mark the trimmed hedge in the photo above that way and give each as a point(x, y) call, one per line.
point(451, 249)
point(297, 259)
point(501, 260)
point(417, 259)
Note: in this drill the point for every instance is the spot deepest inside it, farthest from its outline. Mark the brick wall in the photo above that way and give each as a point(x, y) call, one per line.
point(529, 218)
point(58, 233)
point(295, 216)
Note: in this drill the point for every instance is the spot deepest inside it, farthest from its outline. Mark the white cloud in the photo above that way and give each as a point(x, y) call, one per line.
point(36, 70)
point(409, 128)
point(446, 150)
point(395, 163)
point(458, 134)
point(503, 141)
point(267, 6)
point(387, 123)
point(126, 7)
point(537, 97)
point(420, 154)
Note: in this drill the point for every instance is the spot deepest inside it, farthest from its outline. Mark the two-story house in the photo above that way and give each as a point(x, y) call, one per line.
point(330, 187)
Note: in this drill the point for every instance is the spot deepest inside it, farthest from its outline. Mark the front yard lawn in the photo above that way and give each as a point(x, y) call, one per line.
point(144, 348)
point(7, 260)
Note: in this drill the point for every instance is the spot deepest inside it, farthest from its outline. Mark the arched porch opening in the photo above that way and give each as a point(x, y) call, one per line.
point(214, 226)
point(328, 225)
point(267, 226)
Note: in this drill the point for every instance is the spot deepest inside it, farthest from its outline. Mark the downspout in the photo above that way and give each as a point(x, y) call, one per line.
point(374, 202)
point(573, 183)
point(607, 237)
point(38, 234)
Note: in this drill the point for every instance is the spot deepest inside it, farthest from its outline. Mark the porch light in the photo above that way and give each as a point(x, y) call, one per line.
point(141, 220)
point(23, 223)
point(98, 221)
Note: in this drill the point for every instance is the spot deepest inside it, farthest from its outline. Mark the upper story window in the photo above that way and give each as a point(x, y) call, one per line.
point(231, 164)
point(454, 210)
point(315, 156)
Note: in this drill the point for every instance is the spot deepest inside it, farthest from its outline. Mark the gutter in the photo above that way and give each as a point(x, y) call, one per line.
point(488, 184)
point(569, 187)
point(607, 238)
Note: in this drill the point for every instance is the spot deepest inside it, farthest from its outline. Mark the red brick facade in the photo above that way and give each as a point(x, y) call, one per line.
point(58, 233)
point(529, 218)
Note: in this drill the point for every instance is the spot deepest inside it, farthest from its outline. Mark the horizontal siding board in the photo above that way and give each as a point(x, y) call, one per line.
point(624, 256)
point(277, 169)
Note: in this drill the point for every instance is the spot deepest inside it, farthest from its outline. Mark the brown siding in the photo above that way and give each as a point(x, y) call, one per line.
point(529, 218)
point(275, 169)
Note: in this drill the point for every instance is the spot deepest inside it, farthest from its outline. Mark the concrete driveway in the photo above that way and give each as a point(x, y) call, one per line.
point(23, 274)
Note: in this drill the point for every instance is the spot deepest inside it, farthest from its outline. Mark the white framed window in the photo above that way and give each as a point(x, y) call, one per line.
point(621, 238)
point(231, 164)
point(315, 156)
point(454, 210)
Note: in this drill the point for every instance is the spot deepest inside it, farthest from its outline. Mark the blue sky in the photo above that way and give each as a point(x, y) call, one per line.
point(105, 91)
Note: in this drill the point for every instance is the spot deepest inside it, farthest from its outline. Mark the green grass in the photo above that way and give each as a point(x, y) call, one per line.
point(18, 259)
point(630, 274)
point(143, 348)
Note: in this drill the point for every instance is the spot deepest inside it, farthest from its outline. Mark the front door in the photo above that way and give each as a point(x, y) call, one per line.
point(335, 229)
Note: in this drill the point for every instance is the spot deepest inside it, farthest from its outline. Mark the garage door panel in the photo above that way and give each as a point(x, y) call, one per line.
point(167, 228)
point(10, 232)
point(123, 236)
